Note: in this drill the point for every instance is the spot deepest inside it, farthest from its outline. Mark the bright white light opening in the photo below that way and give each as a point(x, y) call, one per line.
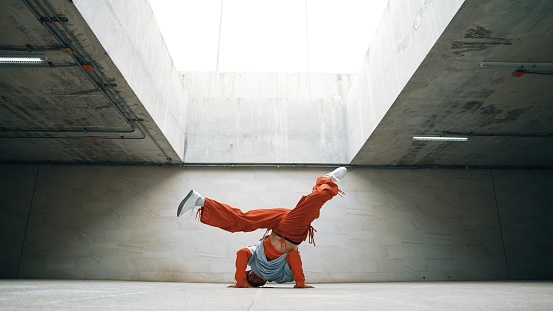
point(268, 36)
point(440, 138)
point(23, 59)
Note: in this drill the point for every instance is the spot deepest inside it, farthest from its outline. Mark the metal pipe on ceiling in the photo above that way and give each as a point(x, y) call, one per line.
point(117, 101)
point(25, 66)
point(59, 37)
point(285, 165)
point(29, 49)
point(68, 134)
point(104, 81)
point(518, 135)
point(78, 51)
point(113, 97)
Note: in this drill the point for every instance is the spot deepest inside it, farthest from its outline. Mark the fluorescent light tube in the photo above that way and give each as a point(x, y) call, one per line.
point(440, 138)
point(22, 59)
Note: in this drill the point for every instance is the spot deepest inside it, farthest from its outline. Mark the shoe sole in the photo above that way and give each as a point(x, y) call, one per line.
point(340, 171)
point(181, 205)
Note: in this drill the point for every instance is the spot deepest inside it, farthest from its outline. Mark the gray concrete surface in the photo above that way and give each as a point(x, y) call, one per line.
point(406, 34)
point(118, 223)
point(421, 76)
point(67, 114)
point(266, 117)
point(124, 295)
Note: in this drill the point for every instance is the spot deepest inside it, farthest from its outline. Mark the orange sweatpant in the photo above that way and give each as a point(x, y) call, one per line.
point(292, 225)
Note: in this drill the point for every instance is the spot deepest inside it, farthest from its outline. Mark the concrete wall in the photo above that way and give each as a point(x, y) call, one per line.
point(266, 117)
point(404, 37)
point(525, 204)
point(393, 225)
point(129, 34)
point(17, 185)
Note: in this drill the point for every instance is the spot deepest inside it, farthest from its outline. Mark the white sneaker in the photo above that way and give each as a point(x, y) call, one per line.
point(189, 202)
point(337, 174)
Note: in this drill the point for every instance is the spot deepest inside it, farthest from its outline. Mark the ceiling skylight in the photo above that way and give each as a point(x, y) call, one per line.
point(268, 35)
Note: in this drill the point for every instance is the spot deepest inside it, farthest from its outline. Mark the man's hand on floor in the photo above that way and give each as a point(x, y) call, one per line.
point(236, 286)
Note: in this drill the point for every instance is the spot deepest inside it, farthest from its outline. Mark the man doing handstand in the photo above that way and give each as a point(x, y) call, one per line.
point(275, 257)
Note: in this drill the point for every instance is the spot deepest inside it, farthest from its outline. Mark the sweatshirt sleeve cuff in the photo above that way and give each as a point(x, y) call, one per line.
point(300, 283)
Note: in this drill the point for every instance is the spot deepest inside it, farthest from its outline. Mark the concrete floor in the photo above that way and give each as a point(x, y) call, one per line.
point(117, 295)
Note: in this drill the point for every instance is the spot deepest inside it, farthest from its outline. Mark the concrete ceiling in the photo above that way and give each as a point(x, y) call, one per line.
point(65, 113)
point(71, 115)
point(511, 118)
